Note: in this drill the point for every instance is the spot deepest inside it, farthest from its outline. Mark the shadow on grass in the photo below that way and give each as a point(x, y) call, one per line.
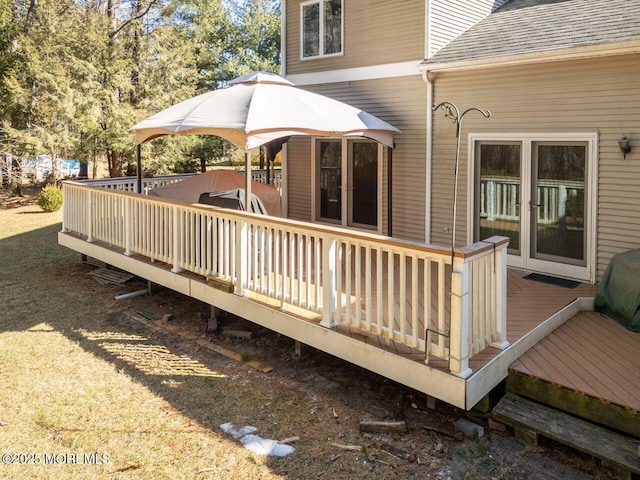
point(43, 284)
point(44, 288)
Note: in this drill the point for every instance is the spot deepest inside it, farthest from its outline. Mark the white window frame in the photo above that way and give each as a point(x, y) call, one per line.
point(527, 140)
point(345, 214)
point(321, 53)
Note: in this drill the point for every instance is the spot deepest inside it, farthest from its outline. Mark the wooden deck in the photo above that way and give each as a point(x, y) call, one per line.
point(590, 354)
point(529, 304)
point(446, 323)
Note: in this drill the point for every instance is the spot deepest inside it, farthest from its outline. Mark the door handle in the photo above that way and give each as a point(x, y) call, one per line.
point(534, 205)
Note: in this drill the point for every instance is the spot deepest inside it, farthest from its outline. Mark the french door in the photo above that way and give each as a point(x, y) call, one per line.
point(348, 182)
point(539, 192)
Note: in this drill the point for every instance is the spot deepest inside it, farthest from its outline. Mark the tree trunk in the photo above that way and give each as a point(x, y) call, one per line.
point(31, 15)
point(114, 162)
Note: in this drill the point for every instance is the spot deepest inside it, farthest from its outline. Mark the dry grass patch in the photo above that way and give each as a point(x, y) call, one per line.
point(76, 384)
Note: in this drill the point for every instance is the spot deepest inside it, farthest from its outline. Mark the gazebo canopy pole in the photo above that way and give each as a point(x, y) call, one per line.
point(247, 180)
point(138, 169)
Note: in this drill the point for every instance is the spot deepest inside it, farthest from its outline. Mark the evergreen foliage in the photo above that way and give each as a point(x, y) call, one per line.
point(75, 75)
point(50, 198)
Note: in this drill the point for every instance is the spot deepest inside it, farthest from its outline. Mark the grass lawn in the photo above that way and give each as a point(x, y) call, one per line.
point(75, 383)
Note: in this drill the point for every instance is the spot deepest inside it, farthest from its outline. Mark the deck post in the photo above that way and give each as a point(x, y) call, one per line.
point(176, 240)
point(66, 211)
point(89, 212)
point(127, 227)
point(242, 255)
point(460, 318)
point(500, 339)
point(329, 255)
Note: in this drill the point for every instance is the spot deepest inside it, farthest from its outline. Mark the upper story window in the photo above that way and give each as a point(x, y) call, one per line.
point(322, 27)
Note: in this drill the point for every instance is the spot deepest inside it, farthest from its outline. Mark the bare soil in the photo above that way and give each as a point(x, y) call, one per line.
point(313, 396)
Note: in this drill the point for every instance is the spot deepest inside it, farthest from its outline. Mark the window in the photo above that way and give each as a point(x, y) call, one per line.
point(322, 24)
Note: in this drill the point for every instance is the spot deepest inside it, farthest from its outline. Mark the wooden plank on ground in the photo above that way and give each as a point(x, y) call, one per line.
point(165, 328)
point(105, 276)
point(373, 426)
point(533, 419)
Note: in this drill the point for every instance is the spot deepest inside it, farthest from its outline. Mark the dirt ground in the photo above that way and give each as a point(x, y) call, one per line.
point(352, 394)
point(314, 397)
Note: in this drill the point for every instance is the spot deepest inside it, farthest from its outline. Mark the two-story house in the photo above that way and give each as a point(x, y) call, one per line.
point(363, 264)
point(548, 98)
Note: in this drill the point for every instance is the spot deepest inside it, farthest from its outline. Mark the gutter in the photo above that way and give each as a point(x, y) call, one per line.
point(555, 55)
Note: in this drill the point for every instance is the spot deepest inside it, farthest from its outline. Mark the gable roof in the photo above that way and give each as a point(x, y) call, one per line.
point(544, 28)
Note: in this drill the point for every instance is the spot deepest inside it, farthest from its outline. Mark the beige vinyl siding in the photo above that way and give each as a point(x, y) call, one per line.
point(449, 18)
point(299, 178)
point(400, 102)
point(596, 95)
point(376, 32)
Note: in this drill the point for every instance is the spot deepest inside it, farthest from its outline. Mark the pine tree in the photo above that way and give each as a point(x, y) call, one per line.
point(75, 75)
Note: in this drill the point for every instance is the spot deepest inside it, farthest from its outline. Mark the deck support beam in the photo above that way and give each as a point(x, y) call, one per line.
point(212, 321)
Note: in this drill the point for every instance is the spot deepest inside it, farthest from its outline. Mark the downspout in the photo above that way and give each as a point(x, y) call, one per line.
point(429, 139)
point(284, 180)
point(429, 156)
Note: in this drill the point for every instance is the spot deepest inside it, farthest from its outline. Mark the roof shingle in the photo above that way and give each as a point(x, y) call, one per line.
point(529, 26)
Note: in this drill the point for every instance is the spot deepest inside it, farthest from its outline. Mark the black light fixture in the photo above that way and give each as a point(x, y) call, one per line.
point(625, 145)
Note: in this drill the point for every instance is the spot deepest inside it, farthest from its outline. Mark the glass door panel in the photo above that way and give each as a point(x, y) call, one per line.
point(329, 165)
point(558, 203)
point(499, 192)
point(363, 184)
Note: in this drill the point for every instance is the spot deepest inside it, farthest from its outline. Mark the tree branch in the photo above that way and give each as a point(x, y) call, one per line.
point(133, 19)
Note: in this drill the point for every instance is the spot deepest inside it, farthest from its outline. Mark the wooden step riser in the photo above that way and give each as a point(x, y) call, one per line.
point(596, 410)
point(531, 420)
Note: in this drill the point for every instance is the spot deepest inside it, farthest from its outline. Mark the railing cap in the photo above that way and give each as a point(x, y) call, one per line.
point(342, 233)
point(492, 243)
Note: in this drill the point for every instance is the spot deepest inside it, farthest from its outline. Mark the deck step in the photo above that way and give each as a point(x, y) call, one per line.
point(598, 410)
point(619, 454)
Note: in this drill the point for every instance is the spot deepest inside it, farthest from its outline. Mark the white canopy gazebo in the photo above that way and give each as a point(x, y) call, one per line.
point(258, 108)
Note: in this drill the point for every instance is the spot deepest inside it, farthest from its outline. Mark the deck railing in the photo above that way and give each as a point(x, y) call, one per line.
point(556, 200)
point(272, 176)
point(446, 304)
point(129, 184)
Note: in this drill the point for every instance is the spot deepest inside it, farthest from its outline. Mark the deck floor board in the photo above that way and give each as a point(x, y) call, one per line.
point(592, 354)
point(597, 356)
